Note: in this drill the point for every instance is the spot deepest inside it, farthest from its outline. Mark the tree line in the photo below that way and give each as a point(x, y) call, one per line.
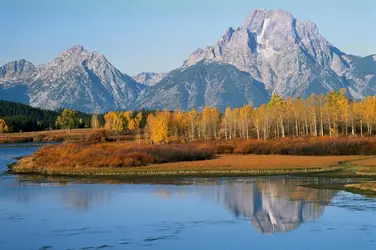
point(331, 115)
point(19, 117)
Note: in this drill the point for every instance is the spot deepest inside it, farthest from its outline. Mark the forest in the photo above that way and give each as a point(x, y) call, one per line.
point(24, 118)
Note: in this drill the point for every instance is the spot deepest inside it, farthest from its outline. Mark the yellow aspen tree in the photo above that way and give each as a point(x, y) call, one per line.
point(257, 121)
point(193, 121)
point(3, 126)
point(95, 123)
point(158, 124)
point(245, 115)
point(227, 123)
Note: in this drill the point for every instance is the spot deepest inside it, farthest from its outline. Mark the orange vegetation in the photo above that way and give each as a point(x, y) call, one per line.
point(299, 146)
point(222, 165)
point(114, 155)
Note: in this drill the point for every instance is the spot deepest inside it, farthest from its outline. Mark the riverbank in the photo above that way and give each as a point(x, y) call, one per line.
point(96, 157)
point(220, 166)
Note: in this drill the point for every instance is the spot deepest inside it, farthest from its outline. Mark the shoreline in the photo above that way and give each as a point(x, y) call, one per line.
point(182, 173)
point(217, 167)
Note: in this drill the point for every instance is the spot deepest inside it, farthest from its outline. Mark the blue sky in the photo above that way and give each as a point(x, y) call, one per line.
point(158, 35)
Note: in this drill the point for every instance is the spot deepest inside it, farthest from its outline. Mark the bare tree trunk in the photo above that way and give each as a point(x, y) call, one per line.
point(282, 128)
point(226, 131)
point(321, 124)
point(329, 126)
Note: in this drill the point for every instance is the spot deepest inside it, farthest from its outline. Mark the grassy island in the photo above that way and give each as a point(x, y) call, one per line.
point(96, 156)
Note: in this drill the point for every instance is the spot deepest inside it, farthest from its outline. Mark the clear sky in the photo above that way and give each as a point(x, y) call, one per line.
point(158, 35)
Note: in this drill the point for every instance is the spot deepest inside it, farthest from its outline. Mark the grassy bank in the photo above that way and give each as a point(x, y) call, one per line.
point(223, 165)
point(96, 156)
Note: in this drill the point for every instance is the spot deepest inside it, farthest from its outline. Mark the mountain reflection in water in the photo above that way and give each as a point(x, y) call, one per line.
point(275, 206)
point(272, 204)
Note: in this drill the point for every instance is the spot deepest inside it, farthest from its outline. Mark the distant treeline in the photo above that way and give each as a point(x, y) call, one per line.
point(21, 117)
point(24, 118)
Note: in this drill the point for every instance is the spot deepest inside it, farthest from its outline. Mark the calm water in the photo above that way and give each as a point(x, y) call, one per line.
point(234, 213)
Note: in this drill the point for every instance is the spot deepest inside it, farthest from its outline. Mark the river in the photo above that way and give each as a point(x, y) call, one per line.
point(222, 213)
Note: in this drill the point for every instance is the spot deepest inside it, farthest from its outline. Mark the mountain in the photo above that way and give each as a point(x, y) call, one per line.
point(14, 77)
point(76, 79)
point(149, 78)
point(361, 77)
point(16, 71)
point(289, 56)
point(204, 84)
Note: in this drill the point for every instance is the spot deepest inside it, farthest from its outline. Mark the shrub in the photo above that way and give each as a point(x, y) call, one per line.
point(119, 154)
point(97, 137)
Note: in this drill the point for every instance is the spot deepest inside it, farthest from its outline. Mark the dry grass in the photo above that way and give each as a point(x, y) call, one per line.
point(258, 162)
point(84, 156)
point(369, 162)
point(252, 157)
point(225, 165)
point(366, 186)
point(315, 146)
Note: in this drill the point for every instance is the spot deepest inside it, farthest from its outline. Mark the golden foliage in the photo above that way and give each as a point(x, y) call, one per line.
point(3, 126)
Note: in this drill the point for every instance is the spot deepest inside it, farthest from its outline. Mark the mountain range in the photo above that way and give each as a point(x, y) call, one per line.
point(270, 53)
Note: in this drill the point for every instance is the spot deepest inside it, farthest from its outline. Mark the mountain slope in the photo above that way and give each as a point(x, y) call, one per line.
point(14, 78)
point(289, 56)
point(149, 78)
point(204, 84)
point(16, 71)
point(84, 81)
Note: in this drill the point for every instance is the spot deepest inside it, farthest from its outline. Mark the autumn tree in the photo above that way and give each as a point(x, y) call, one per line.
point(95, 122)
point(158, 127)
point(210, 122)
point(68, 119)
point(193, 118)
point(276, 106)
point(114, 121)
point(3, 126)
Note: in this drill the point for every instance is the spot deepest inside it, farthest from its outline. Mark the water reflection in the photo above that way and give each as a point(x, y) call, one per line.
point(85, 199)
point(274, 206)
